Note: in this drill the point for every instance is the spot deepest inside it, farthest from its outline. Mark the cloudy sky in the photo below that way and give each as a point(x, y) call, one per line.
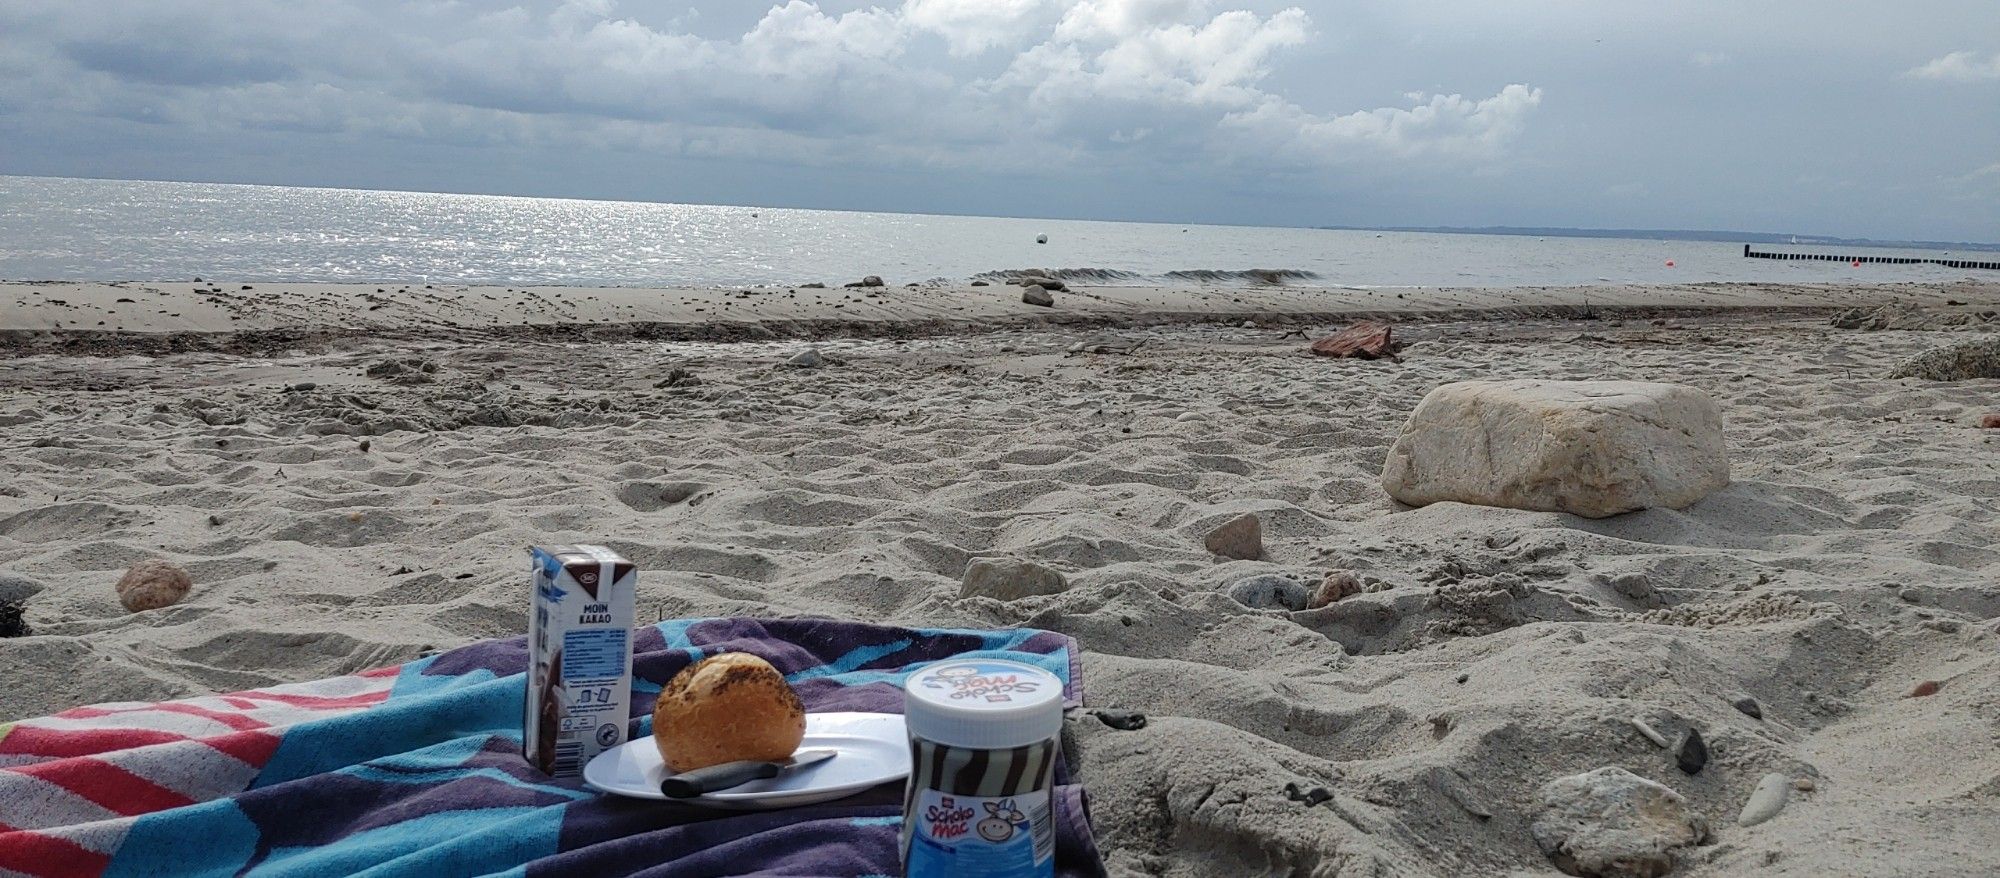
point(1854, 118)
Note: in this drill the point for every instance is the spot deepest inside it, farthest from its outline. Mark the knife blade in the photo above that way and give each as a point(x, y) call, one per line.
point(715, 778)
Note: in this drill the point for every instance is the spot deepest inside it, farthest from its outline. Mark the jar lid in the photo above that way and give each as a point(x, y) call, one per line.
point(984, 704)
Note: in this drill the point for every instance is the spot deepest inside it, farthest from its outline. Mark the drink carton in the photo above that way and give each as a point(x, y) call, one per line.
point(579, 657)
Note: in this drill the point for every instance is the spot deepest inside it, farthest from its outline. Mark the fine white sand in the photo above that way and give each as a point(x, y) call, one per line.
point(1853, 558)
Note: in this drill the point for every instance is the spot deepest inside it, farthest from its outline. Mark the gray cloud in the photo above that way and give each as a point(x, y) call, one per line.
point(1284, 111)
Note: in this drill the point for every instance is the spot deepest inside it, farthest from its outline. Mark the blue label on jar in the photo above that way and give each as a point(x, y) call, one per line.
point(974, 837)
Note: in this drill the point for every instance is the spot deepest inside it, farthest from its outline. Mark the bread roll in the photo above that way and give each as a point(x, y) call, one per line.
point(727, 708)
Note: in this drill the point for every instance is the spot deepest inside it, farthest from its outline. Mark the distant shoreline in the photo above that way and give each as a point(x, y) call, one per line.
point(1724, 237)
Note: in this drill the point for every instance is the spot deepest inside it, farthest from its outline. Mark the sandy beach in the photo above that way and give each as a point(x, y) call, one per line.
point(350, 474)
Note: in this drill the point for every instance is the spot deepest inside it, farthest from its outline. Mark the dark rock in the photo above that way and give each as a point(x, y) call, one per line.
point(815, 285)
point(1749, 706)
point(1693, 754)
point(1043, 282)
point(11, 622)
point(980, 283)
point(679, 378)
point(365, 444)
point(302, 387)
point(1990, 421)
point(1926, 689)
point(1309, 798)
point(1034, 295)
point(1122, 720)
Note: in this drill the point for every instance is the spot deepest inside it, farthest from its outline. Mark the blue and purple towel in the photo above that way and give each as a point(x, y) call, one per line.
point(417, 770)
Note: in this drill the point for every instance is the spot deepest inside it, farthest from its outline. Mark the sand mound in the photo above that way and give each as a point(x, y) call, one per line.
point(1404, 730)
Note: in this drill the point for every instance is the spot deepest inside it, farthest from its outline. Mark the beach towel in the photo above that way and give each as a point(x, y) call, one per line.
point(417, 770)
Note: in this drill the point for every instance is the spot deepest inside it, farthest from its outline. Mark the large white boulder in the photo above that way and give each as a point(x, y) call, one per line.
point(1592, 448)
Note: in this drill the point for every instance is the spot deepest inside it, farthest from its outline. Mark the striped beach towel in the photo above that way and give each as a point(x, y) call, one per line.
point(417, 770)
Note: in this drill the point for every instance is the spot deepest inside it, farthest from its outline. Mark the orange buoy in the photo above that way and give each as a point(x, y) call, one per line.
point(1857, 263)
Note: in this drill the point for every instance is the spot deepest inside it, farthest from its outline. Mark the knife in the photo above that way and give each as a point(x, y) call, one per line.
point(689, 784)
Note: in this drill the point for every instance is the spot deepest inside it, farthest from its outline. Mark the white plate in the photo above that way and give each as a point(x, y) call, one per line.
point(874, 750)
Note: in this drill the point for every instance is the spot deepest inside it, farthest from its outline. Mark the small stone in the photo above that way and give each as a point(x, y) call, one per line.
point(215, 521)
point(1309, 798)
point(1337, 584)
point(1693, 753)
point(815, 285)
point(1749, 706)
point(1249, 324)
point(1990, 421)
point(1269, 591)
point(1452, 784)
point(1122, 720)
point(1047, 283)
point(981, 283)
point(1240, 538)
point(1611, 823)
point(354, 517)
point(1036, 295)
point(1633, 585)
point(1910, 595)
point(1926, 689)
point(1009, 579)
point(12, 623)
point(365, 444)
point(302, 387)
point(1766, 800)
point(1650, 733)
point(810, 358)
point(152, 584)
point(15, 588)
point(871, 281)
point(1804, 785)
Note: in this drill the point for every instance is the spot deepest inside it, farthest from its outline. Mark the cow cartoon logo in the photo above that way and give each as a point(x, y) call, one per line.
point(1001, 817)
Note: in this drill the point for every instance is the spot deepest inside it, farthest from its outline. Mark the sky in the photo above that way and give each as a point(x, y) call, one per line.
point(1858, 119)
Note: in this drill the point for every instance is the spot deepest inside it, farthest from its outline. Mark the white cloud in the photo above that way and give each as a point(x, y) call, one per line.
point(1442, 127)
point(1167, 82)
point(1959, 67)
point(971, 27)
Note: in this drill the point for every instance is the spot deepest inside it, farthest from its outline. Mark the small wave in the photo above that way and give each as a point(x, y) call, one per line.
point(1079, 275)
point(1272, 276)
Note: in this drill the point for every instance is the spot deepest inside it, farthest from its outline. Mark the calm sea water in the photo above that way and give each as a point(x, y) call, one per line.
point(67, 229)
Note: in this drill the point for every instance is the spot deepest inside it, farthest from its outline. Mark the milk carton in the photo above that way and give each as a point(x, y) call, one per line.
point(579, 657)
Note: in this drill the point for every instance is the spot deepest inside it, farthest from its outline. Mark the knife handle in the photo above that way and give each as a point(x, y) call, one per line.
point(689, 784)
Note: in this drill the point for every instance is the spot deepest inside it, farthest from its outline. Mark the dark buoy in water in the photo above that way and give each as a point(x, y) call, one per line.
point(1041, 239)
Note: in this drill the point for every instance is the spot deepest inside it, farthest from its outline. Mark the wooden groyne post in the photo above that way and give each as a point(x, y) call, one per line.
point(1990, 265)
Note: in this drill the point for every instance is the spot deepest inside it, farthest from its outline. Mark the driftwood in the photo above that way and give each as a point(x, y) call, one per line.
point(1366, 340)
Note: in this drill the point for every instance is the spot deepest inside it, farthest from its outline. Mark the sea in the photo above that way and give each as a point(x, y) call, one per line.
point(105, 230)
